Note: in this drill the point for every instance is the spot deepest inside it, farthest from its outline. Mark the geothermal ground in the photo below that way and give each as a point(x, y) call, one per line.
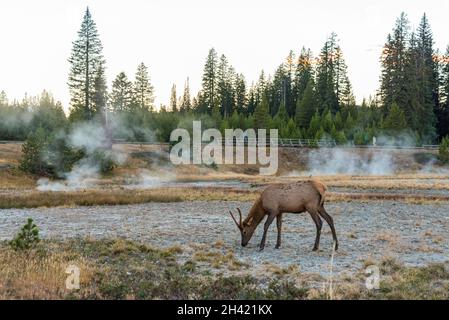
point(415, 234)
point(400, 215)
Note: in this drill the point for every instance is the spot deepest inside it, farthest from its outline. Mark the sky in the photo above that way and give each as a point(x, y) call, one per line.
point(173, 37)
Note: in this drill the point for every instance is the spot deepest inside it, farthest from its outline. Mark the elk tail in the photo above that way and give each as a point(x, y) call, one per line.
point(321, 188)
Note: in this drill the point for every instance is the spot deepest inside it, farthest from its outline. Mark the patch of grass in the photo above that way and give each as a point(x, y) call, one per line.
point(218, 260)
point(37, 199)
point(122, 269)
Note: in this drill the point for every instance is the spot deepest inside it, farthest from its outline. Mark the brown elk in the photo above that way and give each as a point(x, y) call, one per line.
point(286, 198)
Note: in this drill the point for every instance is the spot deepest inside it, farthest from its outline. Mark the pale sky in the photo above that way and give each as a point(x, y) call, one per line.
point(172, 37)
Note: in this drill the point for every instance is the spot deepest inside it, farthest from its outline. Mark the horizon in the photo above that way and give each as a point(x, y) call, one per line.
point(176, 52)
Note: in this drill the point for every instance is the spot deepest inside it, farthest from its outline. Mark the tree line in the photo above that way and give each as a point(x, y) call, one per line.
point(308, 96)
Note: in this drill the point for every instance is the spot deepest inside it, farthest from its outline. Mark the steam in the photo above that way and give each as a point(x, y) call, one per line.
point(82, 176)
point(150, 179)
point(344, 161)
point(90, 137)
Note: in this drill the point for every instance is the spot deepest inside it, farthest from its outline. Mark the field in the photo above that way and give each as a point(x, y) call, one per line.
point(151, 230)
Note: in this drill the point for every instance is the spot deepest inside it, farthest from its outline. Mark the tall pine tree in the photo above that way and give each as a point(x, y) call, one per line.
point(143, 90)
point(86, 61)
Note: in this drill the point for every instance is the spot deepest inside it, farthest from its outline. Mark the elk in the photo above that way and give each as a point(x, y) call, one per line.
point(277, 199)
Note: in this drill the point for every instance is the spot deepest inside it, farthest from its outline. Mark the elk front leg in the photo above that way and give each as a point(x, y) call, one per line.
point(265, 230)
point(319, 225)
point(279, 225)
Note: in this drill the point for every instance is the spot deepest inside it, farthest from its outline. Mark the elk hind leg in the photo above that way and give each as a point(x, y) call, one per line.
point(330, 222)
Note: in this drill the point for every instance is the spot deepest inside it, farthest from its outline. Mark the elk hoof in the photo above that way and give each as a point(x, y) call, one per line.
point(261, 248)
point(315, 249)
point(278, 246)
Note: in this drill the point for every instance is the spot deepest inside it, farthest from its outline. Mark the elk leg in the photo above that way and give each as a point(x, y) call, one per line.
point(319, 225)
point(265, 230)
point(330, 222)
point(279, 225)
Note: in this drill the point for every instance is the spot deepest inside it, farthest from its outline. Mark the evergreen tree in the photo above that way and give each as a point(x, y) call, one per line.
point(240, 93)
point(121, 94)
point(225, 82)
point(327, 76)
point(209, 90)
point(186, 104)
point(173, 99)
point(100, 93)
point(86, 61)
point(443, 110)
point(395, 120)
point(261, 114)
point(428, 67)
point(143, 90)
point(280, 90)
point(393, 85)
point(303, 74)
point(3, 99)
point(307, 106)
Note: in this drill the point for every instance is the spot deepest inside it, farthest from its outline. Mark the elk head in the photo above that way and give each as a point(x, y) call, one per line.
point(246, 229)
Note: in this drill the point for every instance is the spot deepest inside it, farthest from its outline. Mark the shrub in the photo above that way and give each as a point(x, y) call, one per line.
point(444, 150)
point(33, 159)
point(27, 238)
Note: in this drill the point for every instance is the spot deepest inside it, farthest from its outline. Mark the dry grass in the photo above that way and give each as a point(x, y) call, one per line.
point(218, 260)
point(121, 269)
point(40, 274)
point(37, 199)
point(120, 196)
point(13, 179)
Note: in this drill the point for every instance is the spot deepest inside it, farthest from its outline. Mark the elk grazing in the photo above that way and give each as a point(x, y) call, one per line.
point(286, 198)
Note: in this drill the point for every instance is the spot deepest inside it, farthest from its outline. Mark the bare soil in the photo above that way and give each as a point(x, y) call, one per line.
point(415, 234)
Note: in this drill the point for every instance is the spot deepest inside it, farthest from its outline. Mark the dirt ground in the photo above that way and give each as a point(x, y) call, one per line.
point(415, 234)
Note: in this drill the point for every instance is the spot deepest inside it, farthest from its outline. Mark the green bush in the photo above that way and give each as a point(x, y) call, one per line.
point(27, 238)
point(104, 160)
point(33, 158)
point(48, 155)
point(444, 150)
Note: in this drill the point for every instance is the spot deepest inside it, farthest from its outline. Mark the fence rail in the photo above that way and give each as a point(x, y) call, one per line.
point(283, 143)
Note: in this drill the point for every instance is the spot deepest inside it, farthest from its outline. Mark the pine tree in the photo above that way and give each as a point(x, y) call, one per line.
point(395, 120)
point(303, 74)
point(100, 92)
point(314, 126)
point(225, 82)
point(209, 90)
point(240, 93)
point(443, 110)
point(85, 62)
point(143, 90)
point(3, 99)
point(122, 93)
point(327, 76)
point(186, 104)
point(394, 60)
point(428, 67)
point(173, 99)
point(307, 106)
point(261, 114)
point(278, 90)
